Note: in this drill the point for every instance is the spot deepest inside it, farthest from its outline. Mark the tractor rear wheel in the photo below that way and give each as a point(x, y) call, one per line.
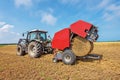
point(68, 57)
point(20, 51)
point(34, 49)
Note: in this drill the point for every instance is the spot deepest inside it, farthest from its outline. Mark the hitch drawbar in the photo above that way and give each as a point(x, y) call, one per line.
point(93, 56)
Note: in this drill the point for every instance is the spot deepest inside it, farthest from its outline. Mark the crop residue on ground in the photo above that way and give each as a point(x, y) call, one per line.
point(13, 67)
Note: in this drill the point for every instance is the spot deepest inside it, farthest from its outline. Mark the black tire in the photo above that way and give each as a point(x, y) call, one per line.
point(20, 51)
point(34, 49)
point(68, 57)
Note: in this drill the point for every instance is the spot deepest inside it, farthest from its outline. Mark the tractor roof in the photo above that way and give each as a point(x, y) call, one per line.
point(36, 30)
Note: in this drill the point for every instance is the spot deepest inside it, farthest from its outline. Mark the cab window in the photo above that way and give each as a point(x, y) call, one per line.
point(32, 36)
point(42, 36)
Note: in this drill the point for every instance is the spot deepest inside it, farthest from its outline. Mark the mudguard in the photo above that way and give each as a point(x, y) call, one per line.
point(22, 43)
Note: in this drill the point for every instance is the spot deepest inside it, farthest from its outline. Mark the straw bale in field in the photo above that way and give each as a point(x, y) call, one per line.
point(81, 46)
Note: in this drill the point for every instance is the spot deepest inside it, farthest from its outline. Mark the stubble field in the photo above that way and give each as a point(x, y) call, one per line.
point(13, 67)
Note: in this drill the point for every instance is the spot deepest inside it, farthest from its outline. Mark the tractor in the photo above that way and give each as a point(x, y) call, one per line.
point(35, 44)
point(76, 40)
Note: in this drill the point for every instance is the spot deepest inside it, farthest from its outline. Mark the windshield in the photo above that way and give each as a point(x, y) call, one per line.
point(42, 36)
point(32, 36)
point(37, 35)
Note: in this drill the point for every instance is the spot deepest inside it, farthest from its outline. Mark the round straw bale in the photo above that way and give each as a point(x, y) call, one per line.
point(81, 46)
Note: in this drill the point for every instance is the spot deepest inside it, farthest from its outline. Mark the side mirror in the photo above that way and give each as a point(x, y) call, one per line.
point(49, 37)
point(23, 34)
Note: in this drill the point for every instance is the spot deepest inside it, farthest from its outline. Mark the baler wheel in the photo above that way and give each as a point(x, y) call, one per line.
point(68, 57)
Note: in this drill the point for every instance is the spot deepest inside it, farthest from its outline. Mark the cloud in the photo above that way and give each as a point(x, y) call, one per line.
point(111, 12)
point(45, 16)
point(70, 1)
point(6, 27)
point(113, 7)
point(2, 23)
point(103, 3)
point(107, 16)
point(6, 33)
point(48, 18)
point(25, 3)
point(109, 9)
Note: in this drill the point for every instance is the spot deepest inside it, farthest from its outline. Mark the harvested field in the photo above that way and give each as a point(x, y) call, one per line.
point(13, 67)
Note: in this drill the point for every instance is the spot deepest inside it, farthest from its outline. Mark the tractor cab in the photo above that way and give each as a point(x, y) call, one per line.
point(38, 35)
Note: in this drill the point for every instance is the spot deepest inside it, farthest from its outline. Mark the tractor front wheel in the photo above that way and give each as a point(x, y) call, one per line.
point(20, 51)
point(34, 49)
point(68, 57)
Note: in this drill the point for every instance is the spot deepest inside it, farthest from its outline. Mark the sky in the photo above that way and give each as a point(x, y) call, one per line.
point(18, 16)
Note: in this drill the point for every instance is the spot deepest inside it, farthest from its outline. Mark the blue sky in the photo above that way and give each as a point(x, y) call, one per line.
point(18, 16)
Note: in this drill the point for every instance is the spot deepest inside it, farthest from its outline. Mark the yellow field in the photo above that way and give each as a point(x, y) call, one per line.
point(13, 67)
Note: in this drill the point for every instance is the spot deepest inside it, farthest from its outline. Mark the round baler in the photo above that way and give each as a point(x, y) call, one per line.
point(77, 40)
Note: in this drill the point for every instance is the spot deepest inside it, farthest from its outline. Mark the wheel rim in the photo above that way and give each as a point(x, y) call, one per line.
point(32, 50)
point(67, 58)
